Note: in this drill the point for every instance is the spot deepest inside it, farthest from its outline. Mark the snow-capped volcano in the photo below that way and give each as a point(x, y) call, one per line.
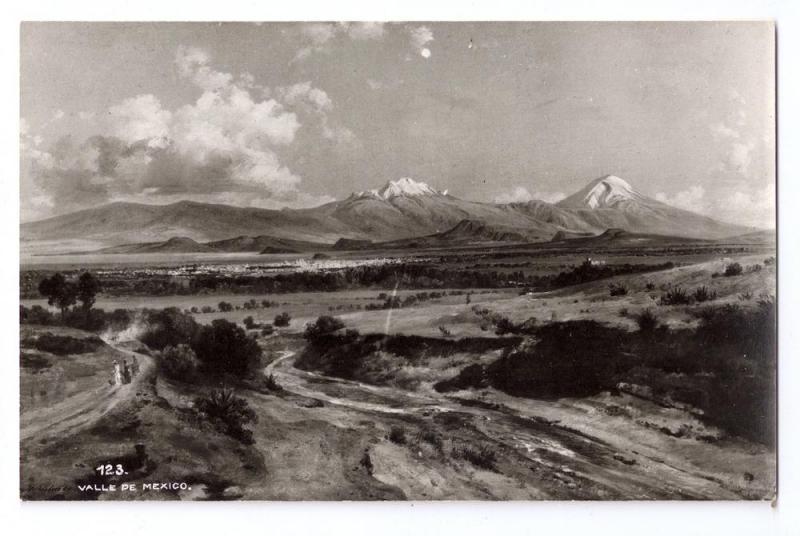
point(401, 187)
point(605, 192)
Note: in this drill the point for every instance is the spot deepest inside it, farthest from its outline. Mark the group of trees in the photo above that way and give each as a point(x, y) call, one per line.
point(63, 293)
point(217, 350)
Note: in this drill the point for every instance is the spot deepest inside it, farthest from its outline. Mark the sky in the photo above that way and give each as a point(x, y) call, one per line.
point(298, 114)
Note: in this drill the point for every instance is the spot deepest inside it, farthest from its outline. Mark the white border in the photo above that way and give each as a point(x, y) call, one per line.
point(676, 518)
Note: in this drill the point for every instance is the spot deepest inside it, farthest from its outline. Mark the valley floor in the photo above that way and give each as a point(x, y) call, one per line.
point(329, 438)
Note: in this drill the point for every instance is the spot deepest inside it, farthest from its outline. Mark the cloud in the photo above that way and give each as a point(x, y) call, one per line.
point(521, 195)
point(193, 63)
point(753, 207)
point(745, 205)
point(693, 199)
point(420, 36)
point(304, 92)
point(223, 146)
point(361, 31)
point(139, 118)
point(736, 144)
point(319, 35)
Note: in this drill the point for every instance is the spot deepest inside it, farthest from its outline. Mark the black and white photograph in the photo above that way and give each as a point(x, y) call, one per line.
point(398, 261)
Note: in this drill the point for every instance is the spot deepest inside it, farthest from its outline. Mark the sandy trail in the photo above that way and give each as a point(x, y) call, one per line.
point(84, 409)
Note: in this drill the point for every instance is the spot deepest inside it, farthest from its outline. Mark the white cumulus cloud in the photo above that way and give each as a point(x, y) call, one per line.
point(520, 194)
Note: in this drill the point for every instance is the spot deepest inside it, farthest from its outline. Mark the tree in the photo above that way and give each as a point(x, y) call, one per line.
point(87, 289)
point(322, 326)
point(59, 292)
point(249, 322)
point(282, 320)
point(224, 348)
point(179, 362)
point(225, 307)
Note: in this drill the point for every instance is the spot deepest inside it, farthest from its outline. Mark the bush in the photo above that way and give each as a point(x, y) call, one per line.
point(322, 326)
point(769, 261)
point(167, 327)
point(179, 362)
point(733, 269)
point(36, 315)
point(63, 345)
point(271, 383)
point(267, 330)
point(224, 348)
point(282, 320)
point(206, 309)
point(444, 331)
point(397, 435)
point(225, 307)
point(472, 376)
point(702, 294)
point(615, 289)
point(249, 323)
point(228, 413)
point(484, 458)
point(647, 321)
point(676, 296)
point(650, 286)
point(573, 358)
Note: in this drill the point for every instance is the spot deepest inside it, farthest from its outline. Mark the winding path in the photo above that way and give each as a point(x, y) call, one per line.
point(80, 411)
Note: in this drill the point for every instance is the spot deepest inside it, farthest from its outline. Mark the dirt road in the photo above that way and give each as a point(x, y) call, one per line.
point(537, 455)
point(82, 410)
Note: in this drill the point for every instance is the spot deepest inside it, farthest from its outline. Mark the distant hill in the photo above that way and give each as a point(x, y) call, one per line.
point(757, 237)
point(621, 237)
point(178, 244)
point(265, 244)
point(403, 209)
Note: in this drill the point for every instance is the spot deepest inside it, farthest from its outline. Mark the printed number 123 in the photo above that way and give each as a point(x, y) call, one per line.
point(109, 469)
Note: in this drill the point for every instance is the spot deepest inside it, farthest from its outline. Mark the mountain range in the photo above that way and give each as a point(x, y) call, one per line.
point(401, 212)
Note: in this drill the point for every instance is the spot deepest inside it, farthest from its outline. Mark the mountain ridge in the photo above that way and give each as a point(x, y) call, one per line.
point(400, 210)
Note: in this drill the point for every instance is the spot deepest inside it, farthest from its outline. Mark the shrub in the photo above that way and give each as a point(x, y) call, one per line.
point(228, 413)
point(615, 289)
point(322, 326)
point(573, 358)
point(702, 294)
point(224, 348)
point(444, 331)
point(167, 327)
point(397, 435)
point(473, 376)
point(206, 309)
point(650, 286)
point(179, 362)
point(248, 322)
point(647, 321)
point(36, 315)
point(676, 296)
point(733, 269)
point(282, 320)
point(271, 383)
point(63, 345)
point(769, 261)
point(267, 330)
point(225, 307)
point(485, 457)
